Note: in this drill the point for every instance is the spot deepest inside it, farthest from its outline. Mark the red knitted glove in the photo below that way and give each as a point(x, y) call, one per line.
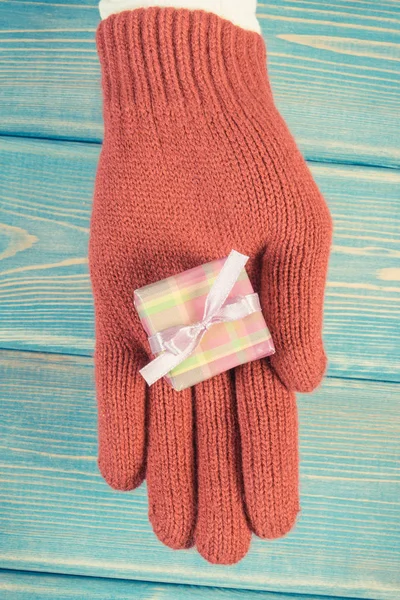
point(196, 161)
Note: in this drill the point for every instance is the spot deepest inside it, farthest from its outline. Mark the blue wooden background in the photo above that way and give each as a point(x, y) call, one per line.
point(335, 72)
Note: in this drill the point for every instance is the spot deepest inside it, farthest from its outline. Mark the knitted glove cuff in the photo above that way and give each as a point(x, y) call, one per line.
point(158, 57)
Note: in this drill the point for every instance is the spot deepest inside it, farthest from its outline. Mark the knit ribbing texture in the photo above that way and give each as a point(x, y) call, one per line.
point(196, 160)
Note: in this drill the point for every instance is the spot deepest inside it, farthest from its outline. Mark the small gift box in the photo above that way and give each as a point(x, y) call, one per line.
point(202, 322)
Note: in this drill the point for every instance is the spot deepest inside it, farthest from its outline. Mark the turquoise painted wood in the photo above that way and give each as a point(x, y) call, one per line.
point(45, 297)
point(17, 585)
point(58, 515)
point(335, 73)
point(334, 69)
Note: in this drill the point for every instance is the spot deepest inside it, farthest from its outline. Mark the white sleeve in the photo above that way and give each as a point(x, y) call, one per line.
point(240, 12)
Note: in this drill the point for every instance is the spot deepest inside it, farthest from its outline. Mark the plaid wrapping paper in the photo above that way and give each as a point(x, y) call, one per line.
point(179, 300)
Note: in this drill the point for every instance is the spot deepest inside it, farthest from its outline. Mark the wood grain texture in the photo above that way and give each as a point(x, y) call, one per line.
point(334, 69)
point(17, 585)
point(45, 297)
point(58, 514)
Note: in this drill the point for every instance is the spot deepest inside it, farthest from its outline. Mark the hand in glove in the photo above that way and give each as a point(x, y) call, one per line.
point(196, 161)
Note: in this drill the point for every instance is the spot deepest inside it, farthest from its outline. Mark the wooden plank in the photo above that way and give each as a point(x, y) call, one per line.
point(334, 70)
point(333, 73)
point(20, 585)
point(58, 515)
point(45, 298)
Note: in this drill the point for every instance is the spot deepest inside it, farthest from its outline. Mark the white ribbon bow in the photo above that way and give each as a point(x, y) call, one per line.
point(179, 342)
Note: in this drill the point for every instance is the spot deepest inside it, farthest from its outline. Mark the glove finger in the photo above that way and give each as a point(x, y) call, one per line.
point(121, 396)
point(267, 417)
point(222, 535)
point(170, 465)
point(292, 285)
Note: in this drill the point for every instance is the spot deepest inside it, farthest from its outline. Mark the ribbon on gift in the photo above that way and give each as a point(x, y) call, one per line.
point(175, 344)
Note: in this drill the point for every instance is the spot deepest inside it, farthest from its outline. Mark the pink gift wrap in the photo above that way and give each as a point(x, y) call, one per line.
point(179, 300)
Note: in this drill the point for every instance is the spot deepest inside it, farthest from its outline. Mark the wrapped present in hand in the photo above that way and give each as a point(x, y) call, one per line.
point(202, 322)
